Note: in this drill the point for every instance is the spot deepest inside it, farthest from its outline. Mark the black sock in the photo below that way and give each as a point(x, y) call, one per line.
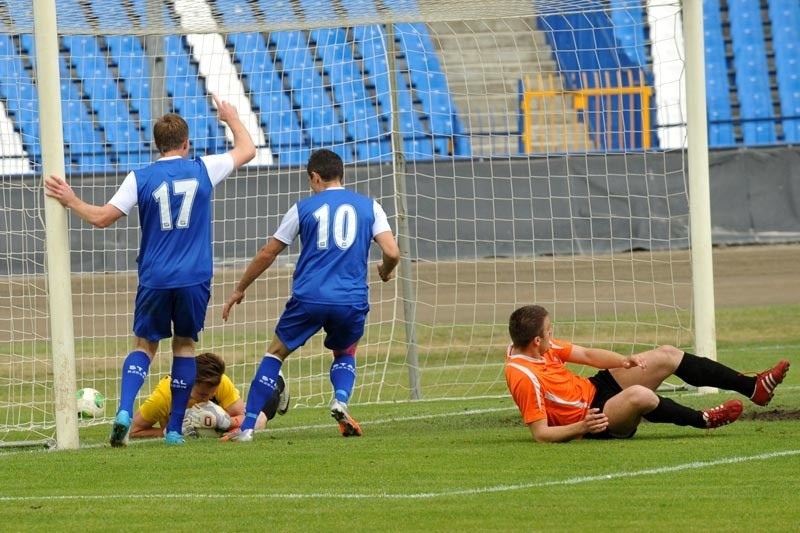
point(705, 372)
point(670, 412)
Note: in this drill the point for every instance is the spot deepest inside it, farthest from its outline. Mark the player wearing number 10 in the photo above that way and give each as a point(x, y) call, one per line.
point(329, 291)
point(175, 257)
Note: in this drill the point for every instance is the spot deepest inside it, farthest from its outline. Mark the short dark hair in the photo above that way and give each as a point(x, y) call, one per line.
point(526, 323)
point(327, 164)
point(210, 368)
point(170, 132)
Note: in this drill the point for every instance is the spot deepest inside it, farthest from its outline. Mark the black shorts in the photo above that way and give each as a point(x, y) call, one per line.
point(606, 387)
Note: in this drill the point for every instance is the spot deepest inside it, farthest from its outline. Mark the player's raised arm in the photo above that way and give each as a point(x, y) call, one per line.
point(243, 149)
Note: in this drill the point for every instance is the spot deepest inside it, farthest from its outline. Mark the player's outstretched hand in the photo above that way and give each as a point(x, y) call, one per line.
point(225, 110)
point(57, 188)
point(635, 360)
point(235, 298)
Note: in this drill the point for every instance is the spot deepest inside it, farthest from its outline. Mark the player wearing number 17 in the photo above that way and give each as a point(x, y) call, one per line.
point(330, 292)
point(175, 258)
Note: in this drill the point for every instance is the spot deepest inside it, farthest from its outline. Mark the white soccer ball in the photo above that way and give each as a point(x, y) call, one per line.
point(211, 412)
point(90, 403)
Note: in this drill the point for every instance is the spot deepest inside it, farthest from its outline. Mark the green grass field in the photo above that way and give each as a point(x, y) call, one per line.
point(441, 466)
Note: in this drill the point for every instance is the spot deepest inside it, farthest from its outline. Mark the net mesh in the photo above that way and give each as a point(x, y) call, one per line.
point(526, 152)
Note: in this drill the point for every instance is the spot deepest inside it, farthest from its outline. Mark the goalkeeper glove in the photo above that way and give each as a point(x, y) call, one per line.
point(188, 429)
point(209, 416)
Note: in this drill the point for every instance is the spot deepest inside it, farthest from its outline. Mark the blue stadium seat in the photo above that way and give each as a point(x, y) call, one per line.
point(752, 77)
point(372, 51)
point(278, 11)
point(133, 160)
point(80, 136)
point(360, 115)
point(403, 7)
point(21, 13)
point(164, 18)
point(418, 149)
point(294, 156)
point(785, 18)
point(234, 11)
point(319, 119)
point(106, 100)
point(720, 125)
point(70, 15)
point(361, 8)
point(276, 112)
point(27, 45)
point(316, 12)
point(19, 93)
point(189, 98)
point(110, 13)
point(132, 66)
point(428, 107)
point(628, 17)
point(375, 151)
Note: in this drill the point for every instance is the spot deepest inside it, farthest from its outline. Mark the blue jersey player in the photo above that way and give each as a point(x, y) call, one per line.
point(175, 258)
point(329, 292)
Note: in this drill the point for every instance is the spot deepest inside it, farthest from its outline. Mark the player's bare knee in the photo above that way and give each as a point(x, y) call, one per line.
point(669, 355)
point(642, 398)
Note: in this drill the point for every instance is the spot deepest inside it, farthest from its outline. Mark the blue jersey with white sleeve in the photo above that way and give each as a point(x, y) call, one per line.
point(175, 213)
point(336, 228)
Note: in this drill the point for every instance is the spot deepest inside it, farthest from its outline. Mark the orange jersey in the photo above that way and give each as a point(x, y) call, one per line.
point(546, 388)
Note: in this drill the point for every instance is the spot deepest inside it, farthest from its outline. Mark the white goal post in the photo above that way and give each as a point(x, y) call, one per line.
point(518, 164)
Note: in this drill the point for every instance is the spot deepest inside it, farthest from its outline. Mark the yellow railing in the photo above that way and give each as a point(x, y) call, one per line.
point(574, 104)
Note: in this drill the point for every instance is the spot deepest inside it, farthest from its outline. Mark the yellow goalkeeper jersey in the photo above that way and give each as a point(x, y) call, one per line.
point(157, 406)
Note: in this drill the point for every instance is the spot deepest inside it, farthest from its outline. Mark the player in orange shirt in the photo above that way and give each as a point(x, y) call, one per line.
point(558, 405)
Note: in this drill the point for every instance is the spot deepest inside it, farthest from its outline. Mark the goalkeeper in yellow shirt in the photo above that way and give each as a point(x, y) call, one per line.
point(211, 384)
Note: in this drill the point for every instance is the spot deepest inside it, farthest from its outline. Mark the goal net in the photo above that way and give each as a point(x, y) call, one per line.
point(525, 151)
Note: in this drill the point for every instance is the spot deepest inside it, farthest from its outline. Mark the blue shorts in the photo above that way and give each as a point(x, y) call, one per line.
point(158, 309)
point(343, 324)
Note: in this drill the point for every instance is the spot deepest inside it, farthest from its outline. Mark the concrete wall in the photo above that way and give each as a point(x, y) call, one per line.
point(462, 209)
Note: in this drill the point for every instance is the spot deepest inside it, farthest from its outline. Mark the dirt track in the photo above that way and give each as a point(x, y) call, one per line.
point(463, 292)
point(757, 275)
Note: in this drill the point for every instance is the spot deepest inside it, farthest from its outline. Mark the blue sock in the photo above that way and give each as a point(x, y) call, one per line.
point(261, 389)
point(182, 381)
point(134, 372)
point(343, 376)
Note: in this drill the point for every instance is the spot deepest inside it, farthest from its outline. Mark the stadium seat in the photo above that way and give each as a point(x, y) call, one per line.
point(720, 124)
point(189, 98)
point(628, 18)
point(164, 18)
point(20, 96)
point(418, 149)
point(785, 18)
point(375, 151)
point(234, 11)
point(293, 156)
point(128, 161)
point(100, 87)
point(319, 118)
point(751, 73)
point(132, 66)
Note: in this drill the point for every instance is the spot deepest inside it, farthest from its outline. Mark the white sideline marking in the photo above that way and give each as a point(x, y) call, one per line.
point(420, 495)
